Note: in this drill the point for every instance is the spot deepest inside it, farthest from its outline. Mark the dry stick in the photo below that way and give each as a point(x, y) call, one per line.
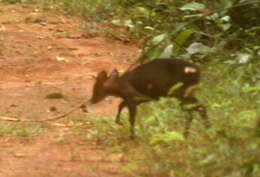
point(65, 114)
point(46, 120)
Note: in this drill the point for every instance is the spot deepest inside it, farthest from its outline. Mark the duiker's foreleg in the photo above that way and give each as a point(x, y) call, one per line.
point(132, 114)
point(120, 108)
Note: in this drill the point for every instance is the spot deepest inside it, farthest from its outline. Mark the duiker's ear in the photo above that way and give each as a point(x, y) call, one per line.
point(114, 74)
point(102, 75)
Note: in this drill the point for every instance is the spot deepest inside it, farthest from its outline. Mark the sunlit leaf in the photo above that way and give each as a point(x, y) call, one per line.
point(167, 52)
point(245, 118)
point(157, 39)
point(152, 53)
point(225, 27)
point(144, 11)
point(243, 57)
point(197, 47)
point(226, 18)
point(148, 28)
point(192, 16)
point(251, 89)
point(174, 88)
point(209, 159)
point(193, 6)
point(149, 120)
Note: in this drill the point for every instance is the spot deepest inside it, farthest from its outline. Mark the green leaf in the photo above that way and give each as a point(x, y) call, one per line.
point(245, 119)
point(167, 137)
point(158, 39)
point(243, 57)
point(174, 88)
point(251, 89)
point(152, 53)
point(156, 49)
point(143, 11)
point(193, 6)
point(150, 120)
point(197, 47)
point(192, 16)
point(209, 159)
point(149, 28)
point(180, 40)
point(55, 96)
point(167, 52)
point(183, 36)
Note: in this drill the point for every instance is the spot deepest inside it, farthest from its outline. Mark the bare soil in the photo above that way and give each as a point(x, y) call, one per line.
point(44, 52)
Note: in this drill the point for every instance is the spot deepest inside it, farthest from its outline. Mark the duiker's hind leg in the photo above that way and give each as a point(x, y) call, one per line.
point(189, 119)
point(190, 104)
point(203, 114)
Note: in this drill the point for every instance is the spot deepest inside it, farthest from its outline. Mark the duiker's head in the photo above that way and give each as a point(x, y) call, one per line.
point(102, 85)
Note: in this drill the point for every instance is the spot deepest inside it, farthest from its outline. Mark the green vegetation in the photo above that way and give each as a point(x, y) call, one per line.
point(15, 1)
point(20, 130)
point(223, 36)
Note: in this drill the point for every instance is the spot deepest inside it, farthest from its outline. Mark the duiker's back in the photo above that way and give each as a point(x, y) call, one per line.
point(157, 77)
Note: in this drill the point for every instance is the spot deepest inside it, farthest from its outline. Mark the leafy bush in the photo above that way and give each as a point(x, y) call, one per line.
point(193, 30)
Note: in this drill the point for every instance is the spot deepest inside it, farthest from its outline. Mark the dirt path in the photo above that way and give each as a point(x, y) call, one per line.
point(42, 52)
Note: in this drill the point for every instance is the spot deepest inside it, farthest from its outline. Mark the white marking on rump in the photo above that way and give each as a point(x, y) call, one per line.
point(189, 69)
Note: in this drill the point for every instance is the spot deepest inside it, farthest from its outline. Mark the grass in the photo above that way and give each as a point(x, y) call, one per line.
point(19, 130)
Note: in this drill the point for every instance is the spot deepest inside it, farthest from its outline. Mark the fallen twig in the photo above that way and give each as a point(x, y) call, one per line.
point(46, 120)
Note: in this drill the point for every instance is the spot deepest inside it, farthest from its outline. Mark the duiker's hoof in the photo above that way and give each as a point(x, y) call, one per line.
point(186, 134)
point(132, 137)
point(119, 122)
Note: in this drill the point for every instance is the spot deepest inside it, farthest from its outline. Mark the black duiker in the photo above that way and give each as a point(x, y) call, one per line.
point(149, 82)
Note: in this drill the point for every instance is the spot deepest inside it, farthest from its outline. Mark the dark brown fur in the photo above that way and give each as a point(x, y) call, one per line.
point(150, 82)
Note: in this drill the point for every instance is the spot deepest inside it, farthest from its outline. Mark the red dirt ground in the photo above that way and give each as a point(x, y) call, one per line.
point(43, 52)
